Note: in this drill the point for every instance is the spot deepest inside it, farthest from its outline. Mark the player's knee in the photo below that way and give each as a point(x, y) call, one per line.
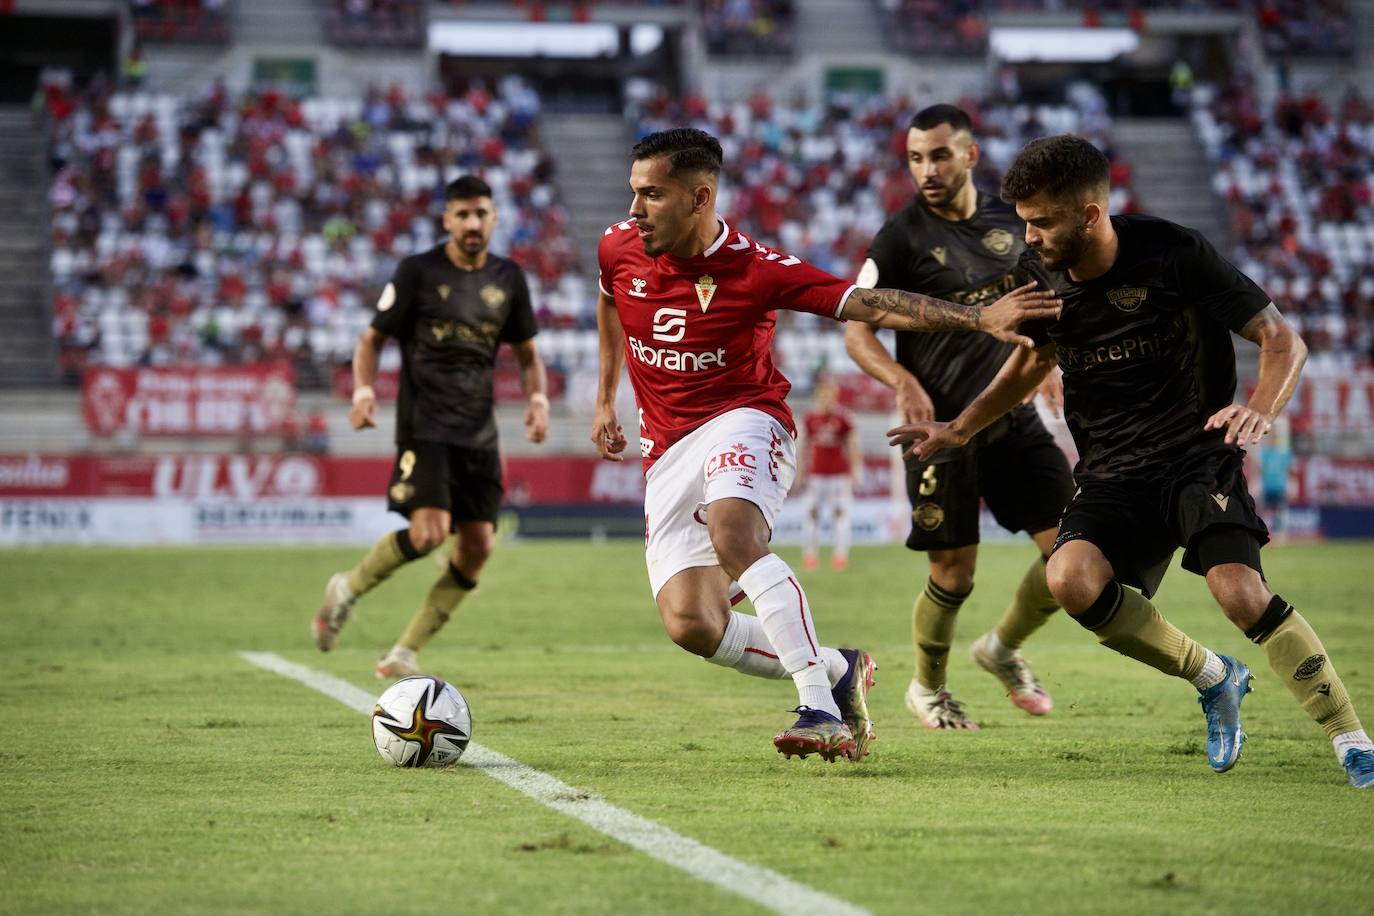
point(426, 536)
point(477, 548)
point(1240, 591)
point(952, 571)
point(1076, 581)
point(737, 549)
point(692, 632)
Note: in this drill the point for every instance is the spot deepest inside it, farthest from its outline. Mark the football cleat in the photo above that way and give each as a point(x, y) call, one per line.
point(851, 696)
point(839, 564)
point(810, 563)
point(937, 710)
point(1221, 703)
point(398, 663)
point(1015, 674)
point(816, 732)
point(333, 613)
point(1359, 766)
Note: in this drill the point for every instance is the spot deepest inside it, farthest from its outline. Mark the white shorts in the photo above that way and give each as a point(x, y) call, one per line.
point(744, 453)
point(829, 491)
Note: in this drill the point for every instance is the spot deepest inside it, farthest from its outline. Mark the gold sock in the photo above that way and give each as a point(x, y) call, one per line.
point(1297, 656)
point(443, 598)
point(1124, 620)
point(389, 554)
point(932, 630)
point(1030, 608)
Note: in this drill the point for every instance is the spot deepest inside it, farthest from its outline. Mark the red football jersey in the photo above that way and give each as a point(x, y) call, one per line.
point(699, 331)
point(827, 439)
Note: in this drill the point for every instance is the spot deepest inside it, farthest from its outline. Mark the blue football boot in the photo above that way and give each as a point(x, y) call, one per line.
point(1359, 766)
point(1221, 703)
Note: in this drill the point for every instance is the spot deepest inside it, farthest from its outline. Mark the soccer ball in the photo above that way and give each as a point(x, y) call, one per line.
point(421, 721)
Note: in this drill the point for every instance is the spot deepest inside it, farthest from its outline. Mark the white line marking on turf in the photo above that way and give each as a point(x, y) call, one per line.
point(763, 886)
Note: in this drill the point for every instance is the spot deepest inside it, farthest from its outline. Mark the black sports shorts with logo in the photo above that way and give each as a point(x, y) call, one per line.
point(1138, 524)
point(1019, 472)
point(465, 482)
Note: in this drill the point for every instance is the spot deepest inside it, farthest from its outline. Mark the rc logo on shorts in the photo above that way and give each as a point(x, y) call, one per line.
point(928, 516)
point(998, 241)
point(1128, 298)
point(1310, 668)
point(738, 460)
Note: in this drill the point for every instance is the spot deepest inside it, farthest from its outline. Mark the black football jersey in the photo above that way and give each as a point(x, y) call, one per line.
point(972, 262)
point(1146, 349)
point(450, 323)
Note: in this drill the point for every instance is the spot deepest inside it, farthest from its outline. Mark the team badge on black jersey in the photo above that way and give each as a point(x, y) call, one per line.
point(494, 296)
point(1128, 298)
point(998, 241)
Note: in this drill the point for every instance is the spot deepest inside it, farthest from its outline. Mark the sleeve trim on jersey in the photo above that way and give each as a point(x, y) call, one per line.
point(600, 286)
point(843, 299)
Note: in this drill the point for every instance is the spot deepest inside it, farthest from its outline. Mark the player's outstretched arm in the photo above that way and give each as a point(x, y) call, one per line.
point(534, 382)
point(365, 358)
point(1020, 375)
point(607, 434)
point(1282, 355)
point(904, 311)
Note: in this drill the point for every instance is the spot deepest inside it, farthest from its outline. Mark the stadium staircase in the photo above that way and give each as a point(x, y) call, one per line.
point(272, 22)
point(27, 353)
point(838, 27)
point(592, 152)
point(1362, 14)
point(1171, 174)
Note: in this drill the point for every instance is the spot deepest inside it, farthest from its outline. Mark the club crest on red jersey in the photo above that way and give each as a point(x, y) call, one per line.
point(706, 290)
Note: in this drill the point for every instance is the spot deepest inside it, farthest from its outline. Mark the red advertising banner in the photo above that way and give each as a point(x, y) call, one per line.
point(530, 480)
point(1328, 404)
point(189, 402)
point(505, 384)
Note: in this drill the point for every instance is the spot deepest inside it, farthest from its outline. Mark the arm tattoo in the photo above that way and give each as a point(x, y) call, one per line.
point(919, 312)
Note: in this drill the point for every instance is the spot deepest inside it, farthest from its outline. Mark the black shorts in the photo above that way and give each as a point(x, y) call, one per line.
point(1021, 474)
point(1138, 525)
point(465, 482)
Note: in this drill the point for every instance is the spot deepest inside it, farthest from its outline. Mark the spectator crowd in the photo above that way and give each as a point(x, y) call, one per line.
point(229, 229)
point(1298, 181)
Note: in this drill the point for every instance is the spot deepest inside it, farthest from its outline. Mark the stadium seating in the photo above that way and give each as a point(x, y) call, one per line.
point(181, 21)
point(1289, 27)
point(385, 23)
point(227, 229)
point(1299, 183)
point(749, 27)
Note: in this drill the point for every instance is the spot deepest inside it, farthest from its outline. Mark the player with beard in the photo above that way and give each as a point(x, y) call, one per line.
point(450, 308)
point(687, 304)
point(958, 243)
point(1144, 341)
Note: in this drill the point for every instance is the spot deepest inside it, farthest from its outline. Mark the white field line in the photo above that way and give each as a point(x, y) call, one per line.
point(767, 888)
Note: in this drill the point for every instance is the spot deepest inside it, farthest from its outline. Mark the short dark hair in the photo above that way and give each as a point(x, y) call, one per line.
point(688, 149)
point(1062, 166)
point(466, 187)
point(932, 117)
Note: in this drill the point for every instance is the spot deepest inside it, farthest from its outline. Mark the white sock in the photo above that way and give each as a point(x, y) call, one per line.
point(997, 647)
point(745, 647)
point(1213, 672)
point(786, 617)
point(842, 534)
point(921, 691)
point(1351, 741)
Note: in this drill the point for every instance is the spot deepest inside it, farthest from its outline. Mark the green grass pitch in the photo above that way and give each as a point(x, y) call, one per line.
point(148, 768)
